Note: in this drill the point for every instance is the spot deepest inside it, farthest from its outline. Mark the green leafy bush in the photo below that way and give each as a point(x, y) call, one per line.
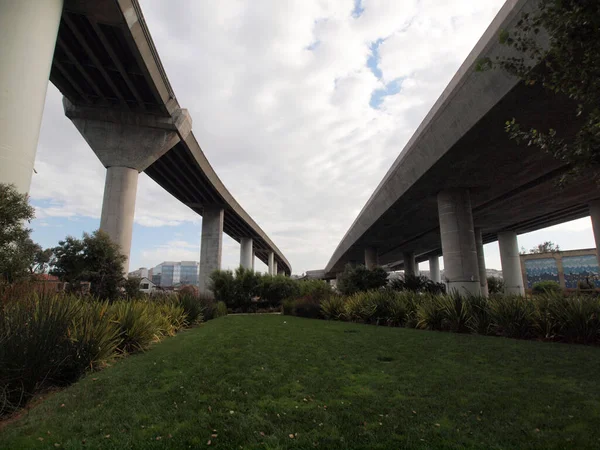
point(307, 307)
point(546, 287)
point(430, 314)
point(287, 307)
point(221, 309)
point(417, 283)
point(139, 324)
point(193, 306)
point(361, 279)
point(456, 312)
point(495, 285)
point(512, 316)
point(480, 320)
point(333, 308)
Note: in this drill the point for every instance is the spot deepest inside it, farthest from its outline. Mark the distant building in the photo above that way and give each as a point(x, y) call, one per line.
point(567, 268)
point(142, 272)
point(147, 286)
point(171, 274)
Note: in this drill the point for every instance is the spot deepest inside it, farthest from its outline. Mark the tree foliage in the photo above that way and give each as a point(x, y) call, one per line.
point(569, 66)
point(17, 250)
point(95, 258)
point(545, 247)
point(360, 279)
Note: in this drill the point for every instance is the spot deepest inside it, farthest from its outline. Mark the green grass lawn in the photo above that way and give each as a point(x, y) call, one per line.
point(284, 382)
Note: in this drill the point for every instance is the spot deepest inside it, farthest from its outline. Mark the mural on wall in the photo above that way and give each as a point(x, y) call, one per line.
point(580, 268)
point(542, 269)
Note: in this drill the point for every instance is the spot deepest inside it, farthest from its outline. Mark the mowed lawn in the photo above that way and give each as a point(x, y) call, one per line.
point(284, 382)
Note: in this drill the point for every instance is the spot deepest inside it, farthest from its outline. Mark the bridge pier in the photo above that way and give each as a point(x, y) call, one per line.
point(126, 144)
point(275, 271)
point(271, 263)
point(461, 268)
point(410, 264)
point(595, 216)
point(246, 253)
point(28, 30)
point(371, 258)
point(511, 263)
point(211, 246)
point(481, 263)
point(434, 269)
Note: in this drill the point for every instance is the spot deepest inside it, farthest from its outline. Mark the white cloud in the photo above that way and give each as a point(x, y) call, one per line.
point(279, 93)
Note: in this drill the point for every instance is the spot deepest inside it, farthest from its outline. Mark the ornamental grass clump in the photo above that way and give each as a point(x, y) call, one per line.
point(512, 316)
point(333, 308)
point(139, 324)
point(578, 319)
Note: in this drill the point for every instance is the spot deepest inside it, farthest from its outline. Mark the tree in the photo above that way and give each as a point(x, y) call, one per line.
point(41, 260)
point(17, 250)
point(132, 287)
point(359, 279)
point(570, 66)
point(95, 258)
point(545, 247)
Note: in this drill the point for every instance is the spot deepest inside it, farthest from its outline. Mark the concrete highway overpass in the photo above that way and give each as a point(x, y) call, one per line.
point(100, 55)
point(461, 182)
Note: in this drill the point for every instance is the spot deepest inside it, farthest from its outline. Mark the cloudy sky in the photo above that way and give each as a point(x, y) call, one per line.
point(300, 106)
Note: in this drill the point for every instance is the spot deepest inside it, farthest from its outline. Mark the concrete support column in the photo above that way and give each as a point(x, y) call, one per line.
point(595, 216)
point(271, 263)
point(125, 143)
point(275, 271)
point(410, 265)
point(28, 30)
point(211, 247)
point(481, 262)
point(118, 207)
point(246, 253)
point(253, 259)
point(458, 241)
point(511, 263)
point(434, 269)
point(371, 259)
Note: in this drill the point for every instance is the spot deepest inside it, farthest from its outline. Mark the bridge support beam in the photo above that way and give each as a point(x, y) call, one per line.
point(28, 30)
point(434, 269)
point(271, 263)
point(126, 144)
point(595, 216)
point(410, 264)
point(246, 253)
point(371, 258)
point(511, 263)
point(211, 246)
point(458, 241)
point(481, 263)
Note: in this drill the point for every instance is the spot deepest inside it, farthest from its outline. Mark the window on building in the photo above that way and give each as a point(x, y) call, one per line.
point(145, 286)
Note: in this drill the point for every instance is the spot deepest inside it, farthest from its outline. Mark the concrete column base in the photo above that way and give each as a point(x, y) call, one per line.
point(434, 269)
point(410, 265)
point(211, 247)
point(371, 259)
point(511, 263)
point(481, 263)
point(118, 208)
point(246, 253)
point(461, 268)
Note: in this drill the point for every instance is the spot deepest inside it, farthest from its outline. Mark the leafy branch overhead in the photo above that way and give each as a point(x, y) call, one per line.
point(559, 48)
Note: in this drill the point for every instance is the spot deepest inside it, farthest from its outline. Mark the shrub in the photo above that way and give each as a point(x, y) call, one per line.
point(512, 316)
point(456, 312)
point(430, 314)
point(545, 322)
point(307, 307)
point(586, 285)
point(287, 307)
point(317, 289)
point(139, 324)
point(417, 283)
point(333, 308)
point(546, 287)
point(221, 309)
point(361, 279)
point(480, 320)
point(192, 307)
point(94, 337)
point(34, 346)
point(274, 289)
point(361, 307)
point(578, 318)
point(172, 316)
point(495, 285)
